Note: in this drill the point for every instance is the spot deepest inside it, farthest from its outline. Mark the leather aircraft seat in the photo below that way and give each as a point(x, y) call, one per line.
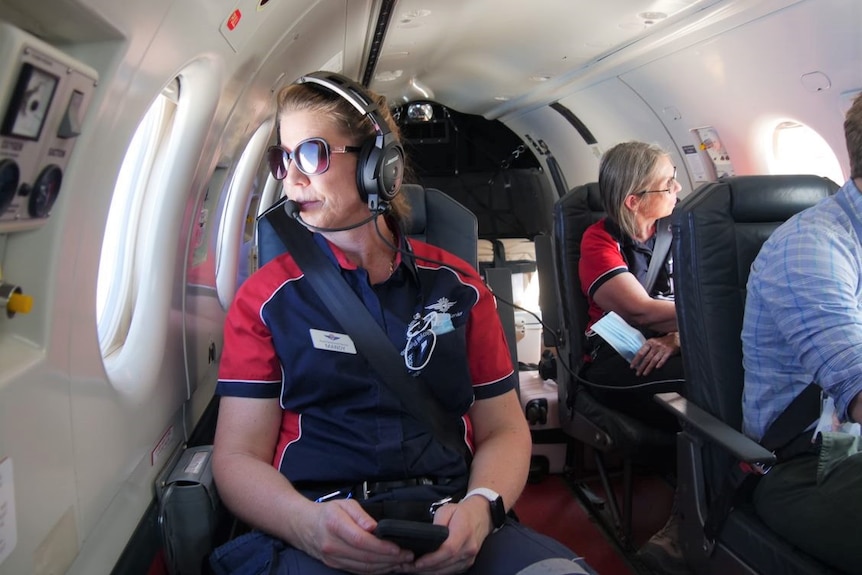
point(434, 218)
point(718, 231)
point(582, 416)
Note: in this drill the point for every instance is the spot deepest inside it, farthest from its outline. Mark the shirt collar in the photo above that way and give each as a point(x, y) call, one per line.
point(337, 256)
point(624, 240)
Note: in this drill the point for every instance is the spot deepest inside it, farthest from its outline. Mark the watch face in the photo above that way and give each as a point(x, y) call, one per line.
point(498, 512)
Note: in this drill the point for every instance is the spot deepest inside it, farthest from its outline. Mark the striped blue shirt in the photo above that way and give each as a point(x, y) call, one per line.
point(803, 313)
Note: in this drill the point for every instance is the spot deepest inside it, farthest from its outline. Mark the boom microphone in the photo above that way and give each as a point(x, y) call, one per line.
point(292, 209)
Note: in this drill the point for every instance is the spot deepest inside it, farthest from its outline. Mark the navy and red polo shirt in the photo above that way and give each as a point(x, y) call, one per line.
point(606, 252)
point(341, 422)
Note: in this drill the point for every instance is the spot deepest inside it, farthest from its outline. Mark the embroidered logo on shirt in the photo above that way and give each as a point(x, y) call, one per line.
point(331, 341)
point(422, 334)
point(443, 305)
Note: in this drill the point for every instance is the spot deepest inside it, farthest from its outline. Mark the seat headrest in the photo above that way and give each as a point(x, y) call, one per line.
point(594, 197)
point(582, 198)
point(418, 220)
point(775, 197)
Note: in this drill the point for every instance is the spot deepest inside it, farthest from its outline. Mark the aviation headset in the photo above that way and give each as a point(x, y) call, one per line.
point(381, 159)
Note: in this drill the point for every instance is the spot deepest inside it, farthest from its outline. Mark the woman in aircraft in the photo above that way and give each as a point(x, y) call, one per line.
point(309, 440)
point(638, 188)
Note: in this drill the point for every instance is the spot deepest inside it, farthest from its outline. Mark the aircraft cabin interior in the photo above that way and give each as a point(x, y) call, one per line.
point(134, 180)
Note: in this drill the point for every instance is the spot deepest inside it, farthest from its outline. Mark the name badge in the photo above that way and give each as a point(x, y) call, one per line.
point(331, 341)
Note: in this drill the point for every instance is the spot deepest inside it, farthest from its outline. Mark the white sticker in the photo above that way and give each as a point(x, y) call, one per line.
point(196, 464)
point(331, 341)
point(8, 527)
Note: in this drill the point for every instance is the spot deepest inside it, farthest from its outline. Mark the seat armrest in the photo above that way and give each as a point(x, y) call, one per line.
point(704, 423)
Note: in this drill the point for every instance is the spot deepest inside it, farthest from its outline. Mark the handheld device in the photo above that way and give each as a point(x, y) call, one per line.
point(416, 536)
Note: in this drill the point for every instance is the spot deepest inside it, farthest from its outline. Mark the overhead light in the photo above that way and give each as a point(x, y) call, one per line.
point(540, 78)
point(651, 17)
point(420, 112)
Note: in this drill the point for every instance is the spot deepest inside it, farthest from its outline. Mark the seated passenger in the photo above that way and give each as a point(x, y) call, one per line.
point(310, 442)
point(638, 186)
point(803, 324)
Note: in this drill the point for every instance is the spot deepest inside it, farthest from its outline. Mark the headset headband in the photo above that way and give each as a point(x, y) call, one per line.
point(350, 91)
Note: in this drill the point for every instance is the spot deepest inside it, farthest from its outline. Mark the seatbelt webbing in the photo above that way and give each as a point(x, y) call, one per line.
point(659, 252)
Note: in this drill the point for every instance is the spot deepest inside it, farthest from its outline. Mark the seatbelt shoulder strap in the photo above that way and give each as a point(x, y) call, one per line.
point(659, 252)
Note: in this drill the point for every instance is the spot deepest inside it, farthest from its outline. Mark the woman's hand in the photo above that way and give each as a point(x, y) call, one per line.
point(469, 524)
point(339, 534)
point(655, 352)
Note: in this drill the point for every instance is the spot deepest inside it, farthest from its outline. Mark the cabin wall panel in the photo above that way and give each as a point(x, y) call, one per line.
point(613, 113)
point(747, 80)
point(35, 433)
point(576, 159)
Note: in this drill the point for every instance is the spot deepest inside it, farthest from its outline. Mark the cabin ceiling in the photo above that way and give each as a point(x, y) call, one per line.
point(477, 55)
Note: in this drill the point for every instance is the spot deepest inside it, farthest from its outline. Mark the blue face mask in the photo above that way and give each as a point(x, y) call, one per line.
point(619, 335)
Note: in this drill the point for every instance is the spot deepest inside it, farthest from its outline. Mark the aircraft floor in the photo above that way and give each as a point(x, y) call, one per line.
point(552, 507)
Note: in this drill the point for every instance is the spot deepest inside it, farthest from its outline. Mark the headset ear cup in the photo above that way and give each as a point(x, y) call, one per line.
point(391, 171)
point(366, 169)
point(380, 171)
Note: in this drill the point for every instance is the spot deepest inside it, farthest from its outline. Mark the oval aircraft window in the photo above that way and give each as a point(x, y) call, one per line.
point(797, 149)
point(115, 290)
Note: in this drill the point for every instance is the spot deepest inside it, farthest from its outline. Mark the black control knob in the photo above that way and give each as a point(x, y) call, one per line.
point(10, 174)
point(45, 191)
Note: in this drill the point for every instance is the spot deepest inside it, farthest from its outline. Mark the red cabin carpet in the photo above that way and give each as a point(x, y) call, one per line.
point(552, 508)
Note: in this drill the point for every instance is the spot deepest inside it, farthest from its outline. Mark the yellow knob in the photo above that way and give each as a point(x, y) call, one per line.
point(19, 303)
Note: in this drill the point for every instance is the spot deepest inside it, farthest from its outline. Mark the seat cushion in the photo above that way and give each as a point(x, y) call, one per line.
point(765, 551)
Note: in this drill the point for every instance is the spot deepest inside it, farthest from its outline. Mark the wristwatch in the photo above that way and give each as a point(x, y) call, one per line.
point(498, 510)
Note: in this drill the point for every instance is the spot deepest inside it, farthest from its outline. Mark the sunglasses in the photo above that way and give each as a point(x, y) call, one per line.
point(311, 157)
point(670, 184)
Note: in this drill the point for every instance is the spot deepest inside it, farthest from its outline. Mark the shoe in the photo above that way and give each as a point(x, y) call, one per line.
point(662, 553)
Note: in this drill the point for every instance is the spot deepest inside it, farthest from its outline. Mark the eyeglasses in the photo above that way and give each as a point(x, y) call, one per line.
point(311, 156)
point(670, 184)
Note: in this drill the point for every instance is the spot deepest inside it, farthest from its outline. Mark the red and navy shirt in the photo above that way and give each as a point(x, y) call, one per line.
point(341, 422)
point(605, 253)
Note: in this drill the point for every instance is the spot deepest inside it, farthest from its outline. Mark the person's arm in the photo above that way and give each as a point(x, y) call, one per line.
point(625, 295)
point(618, 290)
point(501, 462)
point(503, 446)
point(245, 439)
point(338, 532)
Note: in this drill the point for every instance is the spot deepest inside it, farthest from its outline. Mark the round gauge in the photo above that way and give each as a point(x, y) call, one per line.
point(9, 174)
point(45, 191)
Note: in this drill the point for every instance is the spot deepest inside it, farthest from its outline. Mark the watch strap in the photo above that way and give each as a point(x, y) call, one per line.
point(495, 500)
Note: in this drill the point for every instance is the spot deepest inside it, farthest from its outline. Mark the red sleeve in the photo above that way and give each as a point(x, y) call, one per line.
point(249, 366)
point(601, 260)
point(487, 350)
